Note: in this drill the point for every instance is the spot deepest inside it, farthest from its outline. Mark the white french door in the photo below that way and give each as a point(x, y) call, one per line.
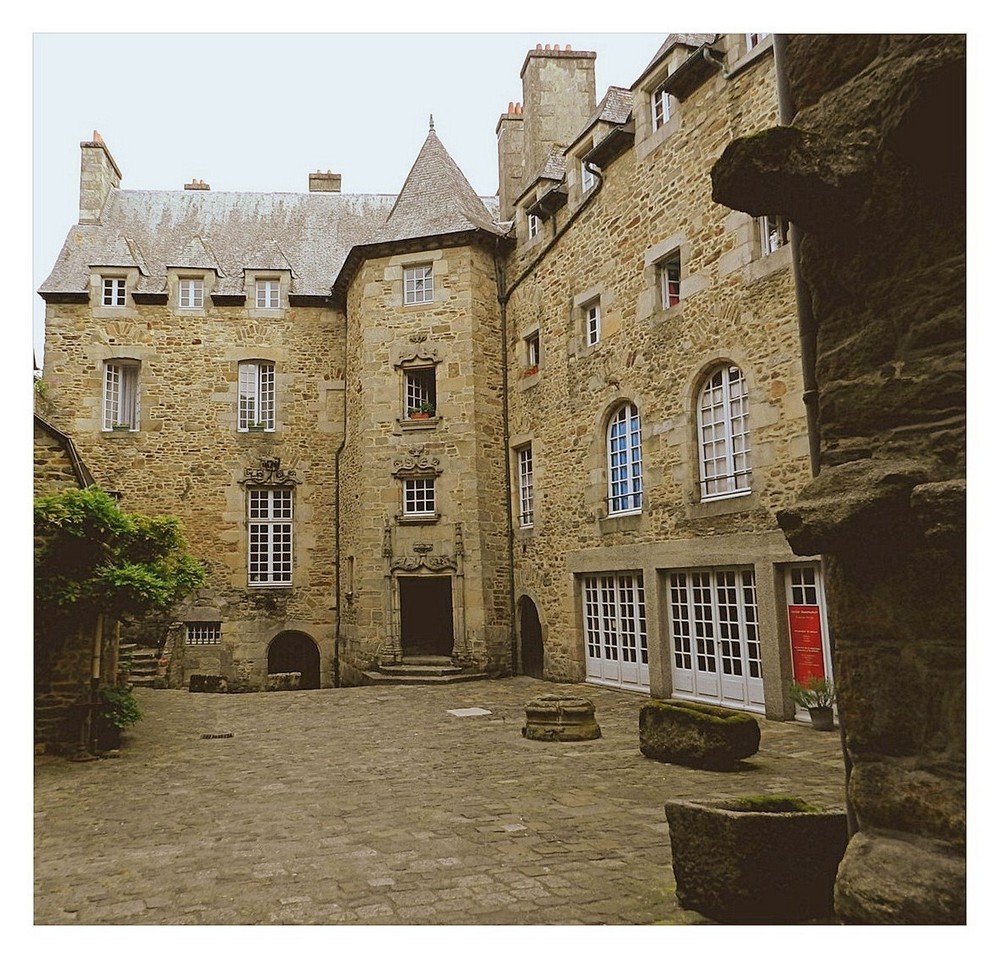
point(715, 637)
point(614, 618)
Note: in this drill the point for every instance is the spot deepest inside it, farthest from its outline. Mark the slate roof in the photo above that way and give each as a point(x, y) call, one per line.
point(436, 199)
point(309, 234)
point(693, 40)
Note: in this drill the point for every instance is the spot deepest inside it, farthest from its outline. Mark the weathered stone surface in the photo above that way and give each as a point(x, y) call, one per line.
point(755, 867)
point(695, 734)
point(282, 681)
point(889, 879)
point(558, 718)
point(888, 506)
point(198, 683)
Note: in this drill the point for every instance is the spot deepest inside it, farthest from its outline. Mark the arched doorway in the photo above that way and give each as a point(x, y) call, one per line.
point(532, 654)
point(295, 652)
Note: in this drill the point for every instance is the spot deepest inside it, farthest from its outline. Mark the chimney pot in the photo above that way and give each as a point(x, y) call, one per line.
point(328, 182)
point(556, 48)
point(196, 184)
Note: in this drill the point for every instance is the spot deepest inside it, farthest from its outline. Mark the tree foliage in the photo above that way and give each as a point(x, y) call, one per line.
point(91, 557)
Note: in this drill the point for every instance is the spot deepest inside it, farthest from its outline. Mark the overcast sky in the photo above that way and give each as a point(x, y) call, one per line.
point(256, 112)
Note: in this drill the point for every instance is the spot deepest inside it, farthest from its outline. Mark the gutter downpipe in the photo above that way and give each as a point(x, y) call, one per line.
point(810, 388)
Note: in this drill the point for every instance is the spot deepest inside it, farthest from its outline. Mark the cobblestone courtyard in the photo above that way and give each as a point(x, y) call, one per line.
point(374, 805)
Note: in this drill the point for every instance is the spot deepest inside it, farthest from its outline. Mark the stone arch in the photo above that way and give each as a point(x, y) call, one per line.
point(530, 632)
point(293, 651)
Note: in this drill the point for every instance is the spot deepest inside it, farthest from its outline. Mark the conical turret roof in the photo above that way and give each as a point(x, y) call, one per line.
point(436, 199)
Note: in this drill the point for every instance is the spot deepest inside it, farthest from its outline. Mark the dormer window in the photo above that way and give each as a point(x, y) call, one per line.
point(755, 40)
point(112, 291)
point(587, 178)
point(190, 294)
point(268, 294)
point(660, 103)
point(534, 226)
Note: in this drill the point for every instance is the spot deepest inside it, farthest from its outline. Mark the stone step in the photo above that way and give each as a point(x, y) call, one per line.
point(443, 669)
point(412, 677)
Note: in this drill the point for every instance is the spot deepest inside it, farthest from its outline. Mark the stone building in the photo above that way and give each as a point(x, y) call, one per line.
point(431, 433)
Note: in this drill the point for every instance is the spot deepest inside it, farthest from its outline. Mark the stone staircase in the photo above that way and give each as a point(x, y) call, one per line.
point(144, 660)
point(414, 670)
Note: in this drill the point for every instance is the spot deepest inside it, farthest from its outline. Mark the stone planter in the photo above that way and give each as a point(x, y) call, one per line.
point(696, 734)
point(822, 717)
point(752, 865)
point(554, 718)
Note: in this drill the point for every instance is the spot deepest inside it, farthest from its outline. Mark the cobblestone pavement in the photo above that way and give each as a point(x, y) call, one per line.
point(374, 805)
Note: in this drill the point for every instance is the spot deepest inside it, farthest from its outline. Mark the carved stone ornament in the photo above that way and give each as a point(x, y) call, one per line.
point(434, 563)
point(387, 539)
point(422, 548)
point(417, 351)
point(269, 473)
point(416, 462)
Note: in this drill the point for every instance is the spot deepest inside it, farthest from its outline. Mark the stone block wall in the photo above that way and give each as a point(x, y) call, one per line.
point(188, 459)
point(736, 306)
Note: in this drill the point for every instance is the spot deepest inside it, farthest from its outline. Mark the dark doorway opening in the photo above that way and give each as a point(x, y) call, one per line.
point(295, 652)
point(532, 654)
point(425, 616)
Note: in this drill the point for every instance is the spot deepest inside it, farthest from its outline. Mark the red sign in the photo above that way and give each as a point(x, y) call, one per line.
point(807, 642)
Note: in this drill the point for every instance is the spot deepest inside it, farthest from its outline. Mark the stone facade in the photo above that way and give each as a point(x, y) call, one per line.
point(527, 387)
point(880, 202)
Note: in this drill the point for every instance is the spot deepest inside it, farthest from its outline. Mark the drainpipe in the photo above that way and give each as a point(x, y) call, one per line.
point(502, 298)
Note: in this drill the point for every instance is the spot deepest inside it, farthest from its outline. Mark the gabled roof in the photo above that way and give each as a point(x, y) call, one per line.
point(692, 40)
point(436, 199)
point(615, 108)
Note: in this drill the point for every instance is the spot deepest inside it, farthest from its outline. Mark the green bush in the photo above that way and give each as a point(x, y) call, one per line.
point(817, 693)
point(119, 706)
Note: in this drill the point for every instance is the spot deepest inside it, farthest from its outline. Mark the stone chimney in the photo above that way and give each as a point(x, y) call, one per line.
point(99, 174)
point(559, 98)
point(197, 185)
point(320, 182)
point(510, 157)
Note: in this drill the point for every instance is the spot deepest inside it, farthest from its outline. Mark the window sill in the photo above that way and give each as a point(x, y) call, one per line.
point(417, 519)
point(671, 313)
point(269, 585)
point(752, 56)
point(621, 522)
point(119, 432)
point(658, 137)
point(740, 502)
point(412, 424)
point(526, 382)
point(780, 259)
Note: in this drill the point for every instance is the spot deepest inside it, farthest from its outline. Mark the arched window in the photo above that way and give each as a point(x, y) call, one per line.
point(624, 461)
point(724, 433)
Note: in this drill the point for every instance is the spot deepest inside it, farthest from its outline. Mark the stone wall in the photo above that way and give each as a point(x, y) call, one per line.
point(872, 171)
point(187, 458)
point(737, 306)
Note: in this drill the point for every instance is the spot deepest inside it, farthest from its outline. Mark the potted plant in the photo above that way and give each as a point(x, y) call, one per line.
point(422, 412)
point(116, 710)
point(816, 695)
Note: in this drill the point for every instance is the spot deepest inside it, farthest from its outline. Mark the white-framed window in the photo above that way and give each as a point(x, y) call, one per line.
point(614, 616)
point(755, 40)
point(592, 313)
point(668, 276)
point(268, 294)
point(532, 352)
point(256, 395)
point(534, 226)
point(203, 634)
point(269, 525)
point(660, 107)
point(625, 461)
point(587, 178)
point(418, 497)
point(420, 391)
point(773, 233)
point(190, 293)
point(724, 433)
point(112, 291)
point(121, 395)
point(418, 284)
point(525, 487)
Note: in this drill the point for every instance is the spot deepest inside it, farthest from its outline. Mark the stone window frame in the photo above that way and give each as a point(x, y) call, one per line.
point(419, 490)
point(267, 284)
point(120, 391)
point(655, 258)
point(534, 226)
point(419, 389)
point(418, 290)
point(531, 352)
point(649, 136)
point(260, 374)
point(114, 291)
point(740, 54)
point(203, 634)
